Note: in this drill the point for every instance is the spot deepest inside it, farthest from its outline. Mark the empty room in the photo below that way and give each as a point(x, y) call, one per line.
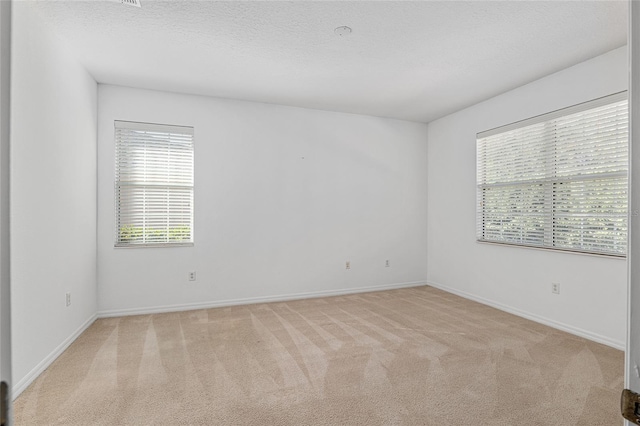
point(319, 212)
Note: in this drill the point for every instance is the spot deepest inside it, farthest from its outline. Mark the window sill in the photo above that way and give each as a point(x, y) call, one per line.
point(554, 250)
point(155, 245)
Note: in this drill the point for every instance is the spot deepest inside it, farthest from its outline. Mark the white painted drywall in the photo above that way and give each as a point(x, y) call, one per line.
point(593, 289)
point(5, 305)
point(53, 194)
point(632, 359)
point(283, 197)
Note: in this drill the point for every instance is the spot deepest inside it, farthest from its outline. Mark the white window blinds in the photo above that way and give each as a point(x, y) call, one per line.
point(153, 185)
point(558, 180)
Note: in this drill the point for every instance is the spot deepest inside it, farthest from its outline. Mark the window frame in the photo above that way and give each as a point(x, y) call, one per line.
point(548, 185)
point(160, 128)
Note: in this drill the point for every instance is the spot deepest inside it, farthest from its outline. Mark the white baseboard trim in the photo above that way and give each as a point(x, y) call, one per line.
point(24, 383)
point(253, 300)
point(533, 317)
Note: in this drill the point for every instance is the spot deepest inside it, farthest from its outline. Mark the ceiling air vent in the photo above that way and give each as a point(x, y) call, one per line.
point(135, 3)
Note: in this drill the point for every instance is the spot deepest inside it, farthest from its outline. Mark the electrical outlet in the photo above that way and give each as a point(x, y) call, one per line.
point(68, 299)
point(555, 288)
point(192, 276)
point(348, 265)
point(386, 263)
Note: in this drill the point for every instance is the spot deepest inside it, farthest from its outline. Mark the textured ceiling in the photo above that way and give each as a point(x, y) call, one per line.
point(410, 60)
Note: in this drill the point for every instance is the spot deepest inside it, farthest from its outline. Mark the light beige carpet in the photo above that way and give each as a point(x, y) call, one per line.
point(415, 356)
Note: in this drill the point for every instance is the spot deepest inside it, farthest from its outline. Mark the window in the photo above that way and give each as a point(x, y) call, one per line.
point(557, 181)
point(154, 185)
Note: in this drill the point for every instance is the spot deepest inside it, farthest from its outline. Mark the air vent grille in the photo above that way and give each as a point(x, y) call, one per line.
point(135, 3)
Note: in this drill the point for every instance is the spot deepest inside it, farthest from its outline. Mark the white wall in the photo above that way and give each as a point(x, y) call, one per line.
point(268, 222)
point(632, 359)
point(53, 195)
point(5, 278)
point(592, 301)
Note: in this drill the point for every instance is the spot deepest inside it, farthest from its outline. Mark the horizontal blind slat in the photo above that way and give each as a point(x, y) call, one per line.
point(154, 184)
point(557, 181)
